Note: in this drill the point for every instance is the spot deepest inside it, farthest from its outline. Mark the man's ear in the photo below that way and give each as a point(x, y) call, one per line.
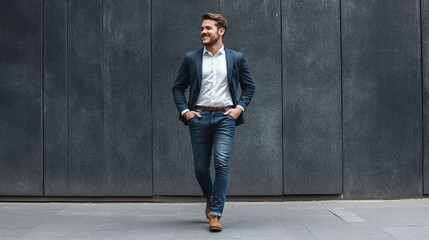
point(221, 31)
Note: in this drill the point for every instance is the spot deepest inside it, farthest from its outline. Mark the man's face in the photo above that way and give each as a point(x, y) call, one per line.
point(210, 33)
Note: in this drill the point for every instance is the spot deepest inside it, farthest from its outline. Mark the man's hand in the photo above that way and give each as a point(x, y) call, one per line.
point(190, 114)
point(234, 112)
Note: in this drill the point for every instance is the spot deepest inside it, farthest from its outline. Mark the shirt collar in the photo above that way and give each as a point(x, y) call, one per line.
point(220, 51)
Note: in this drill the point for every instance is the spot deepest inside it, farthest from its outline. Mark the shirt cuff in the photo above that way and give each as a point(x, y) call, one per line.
point(242, 109)
point(184, 111)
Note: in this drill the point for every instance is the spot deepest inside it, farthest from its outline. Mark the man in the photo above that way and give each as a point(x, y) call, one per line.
point(213, 74)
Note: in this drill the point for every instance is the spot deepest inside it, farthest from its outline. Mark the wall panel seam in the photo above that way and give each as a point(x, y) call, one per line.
point(67, 98)
point(151, 94)
point(342, 99)
point(422, 96)
point(282, 102)
point(42, 115)
point(102, 76)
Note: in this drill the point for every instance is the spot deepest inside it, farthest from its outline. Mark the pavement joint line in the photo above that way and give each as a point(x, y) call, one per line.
point(347, 216)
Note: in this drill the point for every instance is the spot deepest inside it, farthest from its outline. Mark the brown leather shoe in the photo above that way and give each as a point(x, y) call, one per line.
point(208, 204)
point(214, 224)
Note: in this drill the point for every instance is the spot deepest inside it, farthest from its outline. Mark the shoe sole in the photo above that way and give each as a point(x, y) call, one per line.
point(215, 229)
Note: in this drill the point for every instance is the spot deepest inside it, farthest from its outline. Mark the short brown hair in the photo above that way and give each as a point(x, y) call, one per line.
point(220, 20)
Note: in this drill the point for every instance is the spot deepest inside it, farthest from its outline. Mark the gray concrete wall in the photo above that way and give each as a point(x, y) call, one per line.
point(382, 100)
point(425, 66)
point(312, 97)
point(86, 106)
point(21, 120)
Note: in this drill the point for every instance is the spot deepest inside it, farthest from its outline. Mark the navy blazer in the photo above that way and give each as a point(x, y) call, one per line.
point(190, 75)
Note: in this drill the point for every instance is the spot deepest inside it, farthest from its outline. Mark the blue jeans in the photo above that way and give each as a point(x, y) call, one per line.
point(213, 132)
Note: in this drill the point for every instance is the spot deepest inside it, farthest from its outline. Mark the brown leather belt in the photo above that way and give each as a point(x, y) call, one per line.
point(213, 109)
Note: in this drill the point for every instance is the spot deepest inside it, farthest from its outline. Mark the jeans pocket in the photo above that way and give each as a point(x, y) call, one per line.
point(229, 115)
point(192, 119)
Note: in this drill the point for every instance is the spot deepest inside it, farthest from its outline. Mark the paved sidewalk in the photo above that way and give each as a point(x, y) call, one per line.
point(345, 220)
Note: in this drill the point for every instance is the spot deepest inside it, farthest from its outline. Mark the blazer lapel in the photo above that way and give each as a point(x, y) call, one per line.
point(199, 63)
point(229, 63)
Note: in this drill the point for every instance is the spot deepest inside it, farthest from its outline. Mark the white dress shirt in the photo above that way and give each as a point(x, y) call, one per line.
point(214, 91)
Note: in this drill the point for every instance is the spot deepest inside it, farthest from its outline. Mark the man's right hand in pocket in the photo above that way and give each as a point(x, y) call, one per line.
point(190, 114)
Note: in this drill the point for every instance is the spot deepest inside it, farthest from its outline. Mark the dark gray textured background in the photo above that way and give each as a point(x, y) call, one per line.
point(21, 169)
point(312, 97)
point(382, 102)
point(425, 59)
point(341, 103)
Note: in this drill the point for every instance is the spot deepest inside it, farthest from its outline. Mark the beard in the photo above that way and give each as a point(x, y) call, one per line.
point(212, 41)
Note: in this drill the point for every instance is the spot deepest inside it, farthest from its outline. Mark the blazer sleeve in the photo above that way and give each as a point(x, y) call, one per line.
point(246, 83)
point(180, 85)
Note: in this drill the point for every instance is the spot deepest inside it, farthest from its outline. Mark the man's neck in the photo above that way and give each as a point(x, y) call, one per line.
point(215, 47)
